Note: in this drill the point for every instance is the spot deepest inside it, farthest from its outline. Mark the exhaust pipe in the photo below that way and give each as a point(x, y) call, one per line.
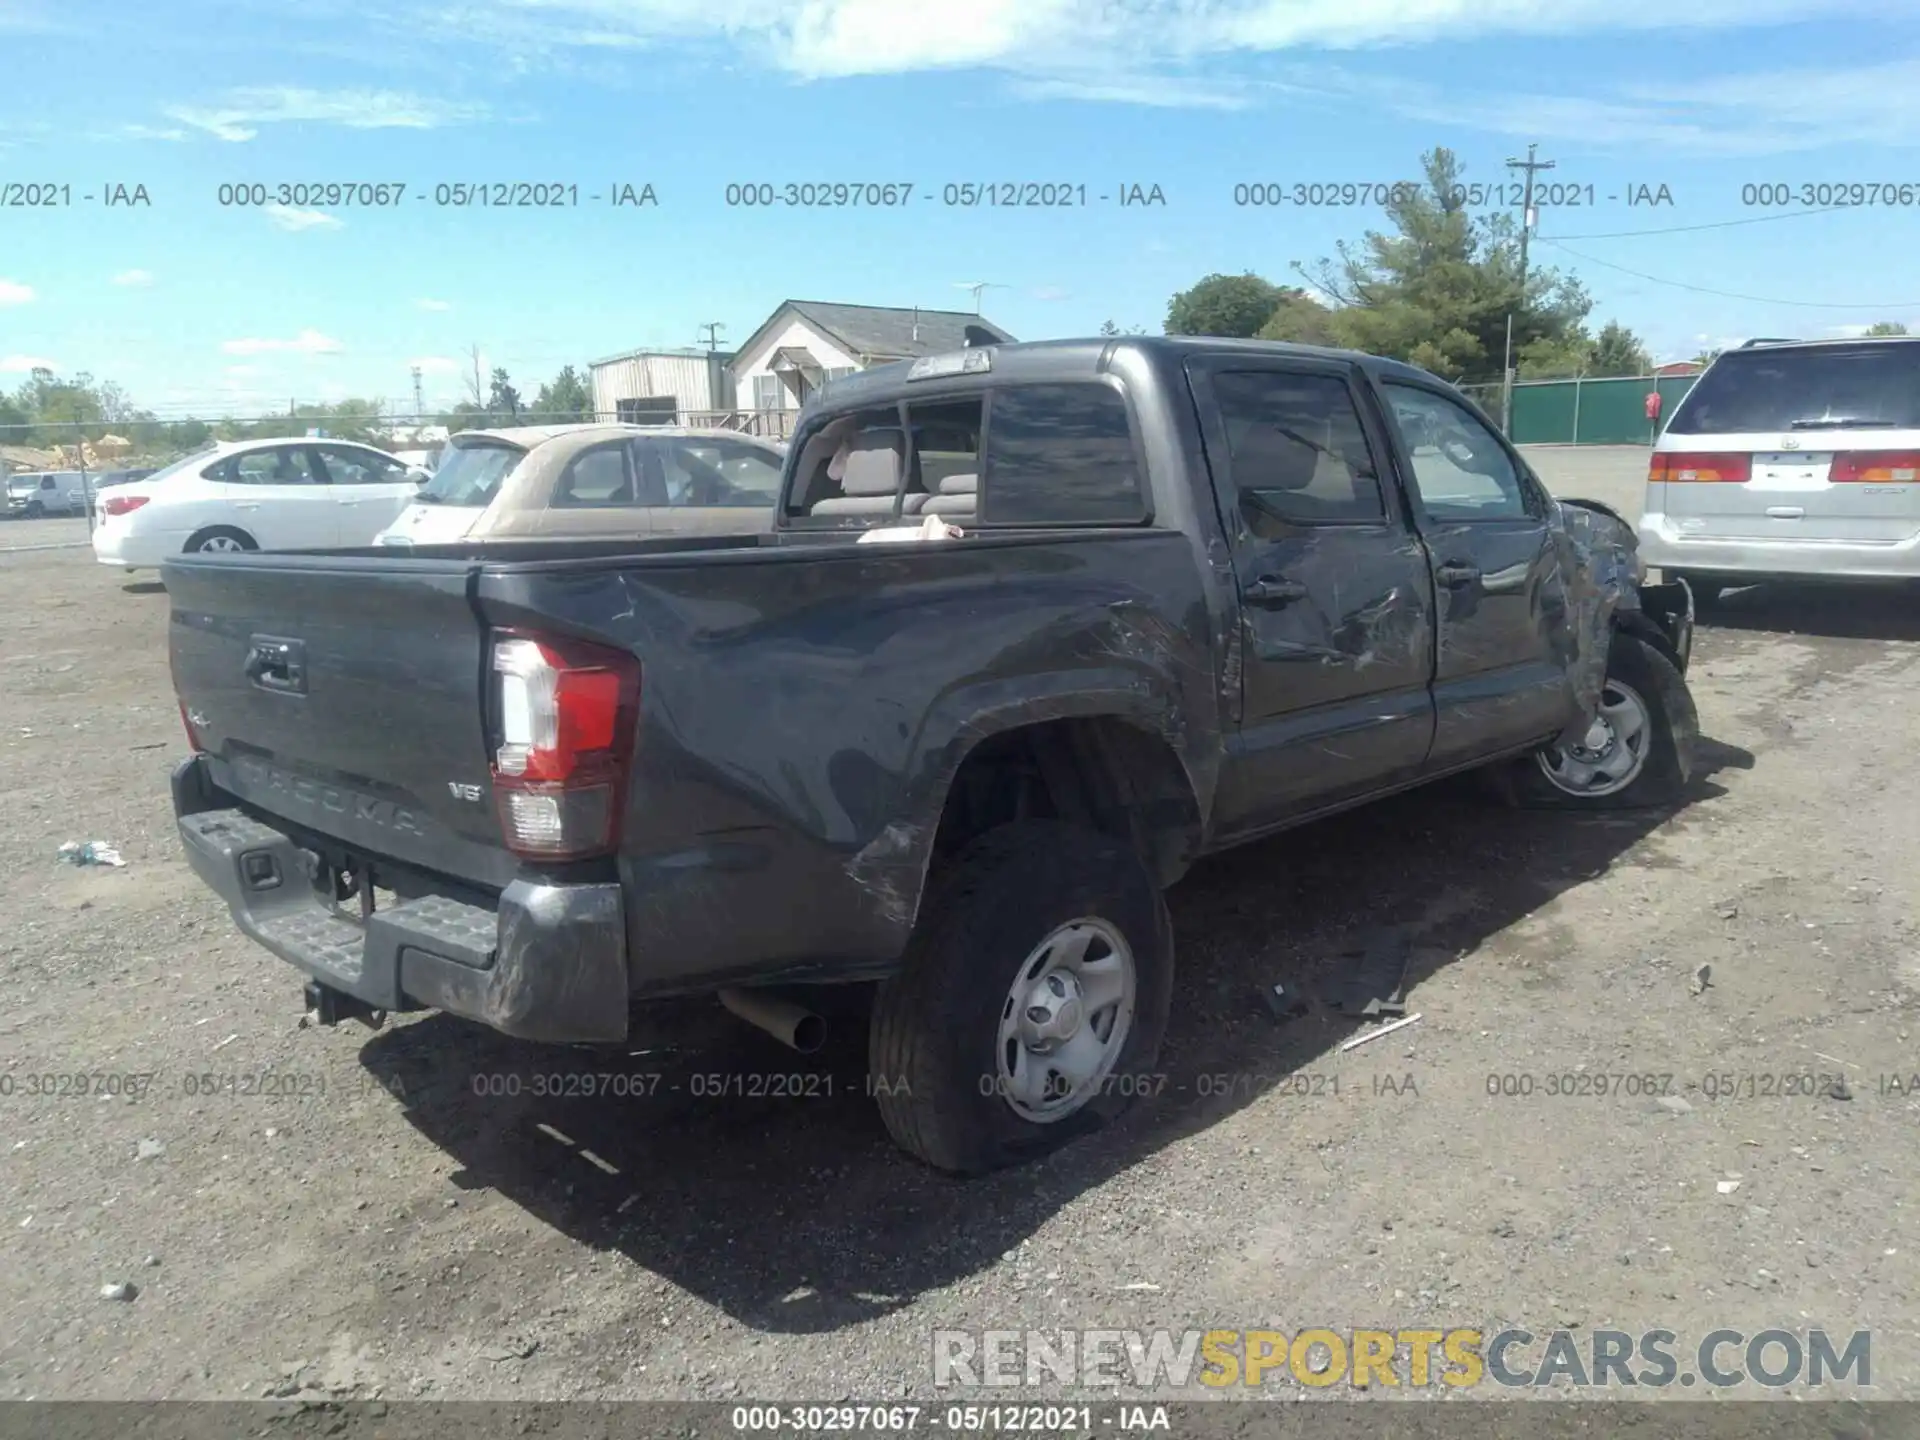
point(792, 1025)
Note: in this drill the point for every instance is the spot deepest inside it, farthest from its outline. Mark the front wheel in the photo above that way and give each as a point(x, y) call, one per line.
point(1031, 1001)
point(1638, 750)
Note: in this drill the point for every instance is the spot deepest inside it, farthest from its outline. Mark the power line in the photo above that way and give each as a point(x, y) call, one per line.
point(1715, 225)
point(1733, 294)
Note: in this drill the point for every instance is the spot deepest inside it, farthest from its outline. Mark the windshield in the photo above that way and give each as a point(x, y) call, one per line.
point(1828, 387)
point(470, 473)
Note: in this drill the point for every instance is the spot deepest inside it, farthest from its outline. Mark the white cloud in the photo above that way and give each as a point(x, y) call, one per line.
point(289, 218)
point(307, 342)
point(1049, 293)
point(241, 113)
point(12, 292)
point(25, 364)
point(1756, 114)
point(435, 365)
point(432, 305)
point(148, 132)
point(134, 279)
point(240, 372)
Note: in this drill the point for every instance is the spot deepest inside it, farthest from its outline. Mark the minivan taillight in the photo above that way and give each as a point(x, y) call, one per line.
point(1875, 467)
point(1734, 469)
point(122, 504)
point(563, 715)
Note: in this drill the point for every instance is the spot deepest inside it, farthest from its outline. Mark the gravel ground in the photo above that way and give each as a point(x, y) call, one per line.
point(378, 1227)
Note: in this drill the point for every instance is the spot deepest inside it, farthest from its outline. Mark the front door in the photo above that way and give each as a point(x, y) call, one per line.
point(1498, 681)
point(1336, 602)
point(369, 490)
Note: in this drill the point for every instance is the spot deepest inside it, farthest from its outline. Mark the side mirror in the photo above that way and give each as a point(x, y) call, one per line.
point(419, 475)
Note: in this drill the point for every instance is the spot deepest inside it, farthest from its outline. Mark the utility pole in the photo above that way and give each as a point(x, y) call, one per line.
point(713, 329)
point(479, 395)
point(1532, 167)
point(419, 407)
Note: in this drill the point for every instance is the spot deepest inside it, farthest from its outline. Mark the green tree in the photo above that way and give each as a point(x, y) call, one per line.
point(566, 398)
point(503, 401)
point(1107, 327)
point(466, 416)
point(1618, 351)
point(1235, 306)
point(1438, 291)
point(1706, 357)
point(1887, 327)
point(1302, 320)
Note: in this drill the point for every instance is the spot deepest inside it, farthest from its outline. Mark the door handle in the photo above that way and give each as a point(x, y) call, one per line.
point(1273, 590)
point(1454, 574)
point(246, 504)
point(275, 664)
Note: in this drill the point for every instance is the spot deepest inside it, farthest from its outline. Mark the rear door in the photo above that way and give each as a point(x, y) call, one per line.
point(1499, 680)
point(602, 491)
point(369, 489)
point(714, 486)
point(1796, 443)
point(1336, 602)
point(344, 697)
point(279, 497)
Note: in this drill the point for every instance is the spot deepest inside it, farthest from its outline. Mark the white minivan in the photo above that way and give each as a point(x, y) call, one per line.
point(1790, 460)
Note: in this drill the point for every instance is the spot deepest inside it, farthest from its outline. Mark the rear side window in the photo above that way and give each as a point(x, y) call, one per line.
point(1827, 387)
point(1296, 450)
point(1060, 455)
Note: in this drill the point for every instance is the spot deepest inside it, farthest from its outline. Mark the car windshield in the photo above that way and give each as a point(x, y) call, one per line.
point(470, 473)
point(1808, 388)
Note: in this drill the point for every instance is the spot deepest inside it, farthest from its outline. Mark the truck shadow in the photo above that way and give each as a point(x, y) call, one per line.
point(1835, 611)
point(762, 1182)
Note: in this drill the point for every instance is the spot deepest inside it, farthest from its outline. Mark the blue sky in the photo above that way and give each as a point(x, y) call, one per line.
point(198, 308)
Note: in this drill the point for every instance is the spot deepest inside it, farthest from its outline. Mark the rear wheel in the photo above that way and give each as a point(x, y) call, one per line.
point(1636, 752)
point(34, 510)
point(1031, 1001)
point(219, 539)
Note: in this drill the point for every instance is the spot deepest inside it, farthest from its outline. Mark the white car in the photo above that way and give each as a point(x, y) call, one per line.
point(290, 494)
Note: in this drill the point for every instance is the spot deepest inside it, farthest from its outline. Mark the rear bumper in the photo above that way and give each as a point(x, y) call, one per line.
point(547, 963)
point(1662, 545)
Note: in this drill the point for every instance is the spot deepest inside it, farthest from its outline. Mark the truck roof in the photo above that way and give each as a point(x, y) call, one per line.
point(1038, 361)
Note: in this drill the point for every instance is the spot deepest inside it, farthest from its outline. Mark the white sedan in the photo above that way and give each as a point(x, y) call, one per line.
point(290, 494)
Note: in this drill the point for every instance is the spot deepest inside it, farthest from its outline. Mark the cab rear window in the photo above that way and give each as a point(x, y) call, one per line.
point(1870, 386)
point(1043, 454)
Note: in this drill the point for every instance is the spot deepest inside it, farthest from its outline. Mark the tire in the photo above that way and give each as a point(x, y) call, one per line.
point(1640, 675)
point(936, 1047)
point(34, 510)
point(217, 538)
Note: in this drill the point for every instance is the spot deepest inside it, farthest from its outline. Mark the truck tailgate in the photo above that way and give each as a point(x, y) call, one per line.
point(345, 700)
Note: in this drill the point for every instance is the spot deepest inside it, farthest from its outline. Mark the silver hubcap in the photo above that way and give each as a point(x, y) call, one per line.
point(1065, 1020)
point(1613, 752)
point(220, 542)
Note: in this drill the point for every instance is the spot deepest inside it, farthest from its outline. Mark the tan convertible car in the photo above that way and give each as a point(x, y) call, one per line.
point(593, 481)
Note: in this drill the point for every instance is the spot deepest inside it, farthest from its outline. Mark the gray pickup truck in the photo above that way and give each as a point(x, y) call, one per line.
point(1168, 596)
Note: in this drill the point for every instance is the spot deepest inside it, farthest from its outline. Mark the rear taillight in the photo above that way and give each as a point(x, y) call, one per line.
point(1733, 469)
point(563, 720)
point(1876, 467)
point(123, 504)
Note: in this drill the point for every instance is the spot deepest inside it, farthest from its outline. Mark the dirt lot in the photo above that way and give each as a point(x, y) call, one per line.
point(399, 1234)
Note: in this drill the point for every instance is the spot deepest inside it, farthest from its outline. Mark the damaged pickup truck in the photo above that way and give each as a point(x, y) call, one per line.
point(1199, 591)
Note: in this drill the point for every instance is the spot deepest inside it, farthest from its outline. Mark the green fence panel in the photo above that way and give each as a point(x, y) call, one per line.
point(1542, 414)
